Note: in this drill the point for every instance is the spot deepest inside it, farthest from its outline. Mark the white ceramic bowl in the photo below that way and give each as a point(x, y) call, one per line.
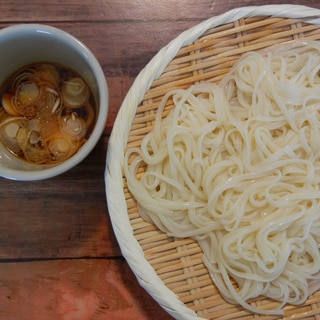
point(25, 44)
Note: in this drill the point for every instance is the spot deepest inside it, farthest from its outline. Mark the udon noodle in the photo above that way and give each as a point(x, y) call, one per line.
point(236, 166)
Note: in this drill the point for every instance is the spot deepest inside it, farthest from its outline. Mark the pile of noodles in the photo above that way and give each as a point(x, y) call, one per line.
point(236, 166)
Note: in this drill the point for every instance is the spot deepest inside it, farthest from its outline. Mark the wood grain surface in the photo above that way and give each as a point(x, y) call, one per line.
point(59, 258)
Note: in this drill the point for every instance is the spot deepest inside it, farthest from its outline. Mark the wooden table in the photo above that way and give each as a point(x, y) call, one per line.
point(59, 258)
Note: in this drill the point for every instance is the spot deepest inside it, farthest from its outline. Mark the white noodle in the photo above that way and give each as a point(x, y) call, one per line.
point(236, 166)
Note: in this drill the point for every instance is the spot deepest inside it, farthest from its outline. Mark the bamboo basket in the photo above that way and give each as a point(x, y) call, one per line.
point(170, 269)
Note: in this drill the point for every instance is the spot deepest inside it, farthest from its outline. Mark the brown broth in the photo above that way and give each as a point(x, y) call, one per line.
point(40, 122)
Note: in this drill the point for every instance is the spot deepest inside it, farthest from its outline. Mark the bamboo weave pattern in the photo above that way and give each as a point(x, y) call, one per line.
point(178, 262)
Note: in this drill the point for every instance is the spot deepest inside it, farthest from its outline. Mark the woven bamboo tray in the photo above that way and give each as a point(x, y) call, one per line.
point(171, 270)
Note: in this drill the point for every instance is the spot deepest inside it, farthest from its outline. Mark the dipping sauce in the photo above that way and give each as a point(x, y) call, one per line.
point(47, 113)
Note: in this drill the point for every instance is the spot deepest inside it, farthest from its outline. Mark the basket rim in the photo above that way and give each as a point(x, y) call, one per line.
point(117, 207)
